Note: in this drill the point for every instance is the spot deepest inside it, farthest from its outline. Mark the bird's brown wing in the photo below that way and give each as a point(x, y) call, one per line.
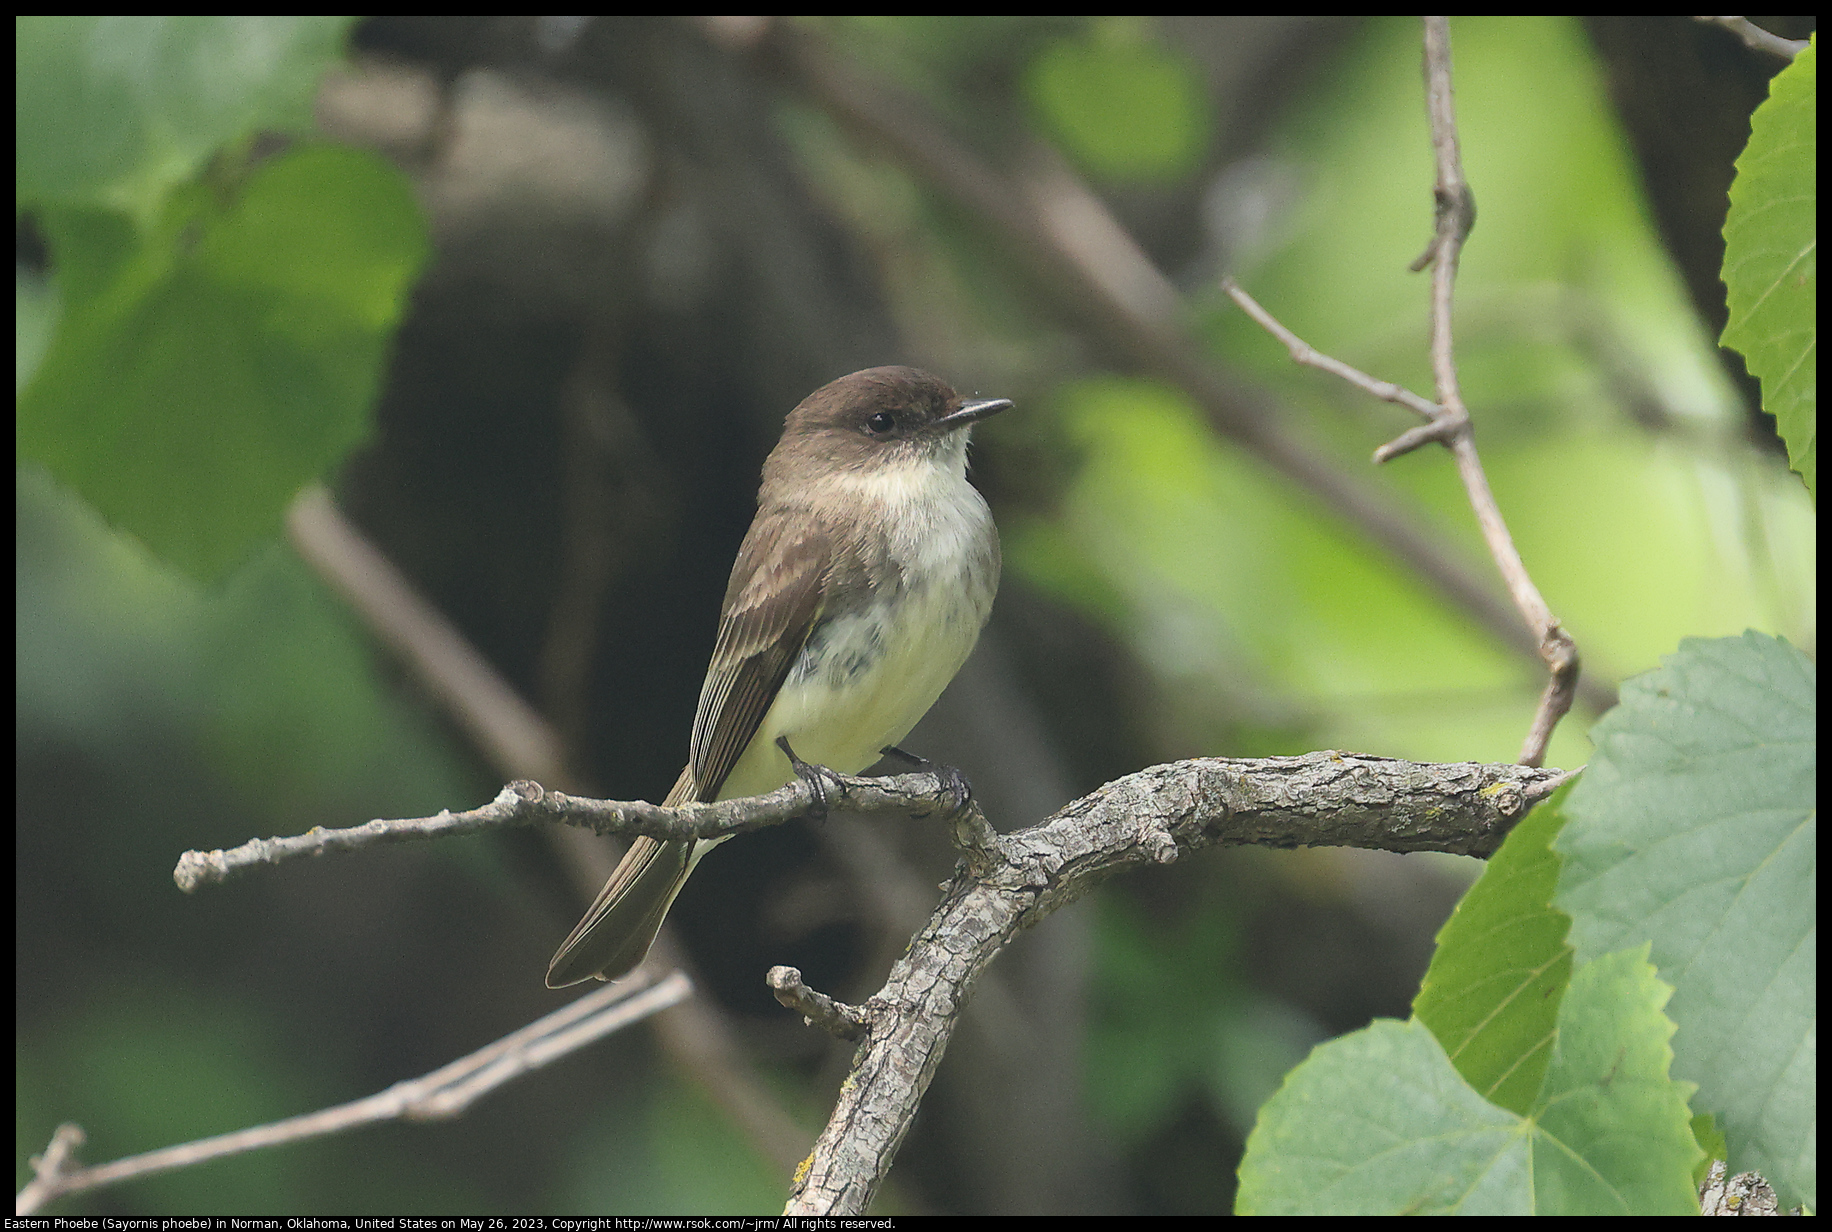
point(771, 605)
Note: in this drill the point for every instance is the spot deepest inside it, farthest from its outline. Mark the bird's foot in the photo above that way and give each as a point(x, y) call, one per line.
point(952, 781)
point(816, 777)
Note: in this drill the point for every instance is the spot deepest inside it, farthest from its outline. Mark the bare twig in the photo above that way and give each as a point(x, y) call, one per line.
point(919, 795)
point(48, 1168)
point(1756, 38)
point(1456, 215)
point(1303, 353)
point(1447, 421)
point(847, 1022)
point(524, 803)
point(440, 1095)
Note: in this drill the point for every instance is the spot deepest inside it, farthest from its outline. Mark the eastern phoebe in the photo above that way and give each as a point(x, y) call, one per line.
point(859, 591)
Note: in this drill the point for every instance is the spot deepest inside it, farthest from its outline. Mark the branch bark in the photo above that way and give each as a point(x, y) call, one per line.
point(1003, 885)
point(1154, 816)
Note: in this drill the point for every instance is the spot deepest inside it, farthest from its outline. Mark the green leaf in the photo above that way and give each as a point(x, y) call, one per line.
point(1498, 975)
point(1614, 1134)
point(1121, 106)
point(1695, 830)
point(1380, 1123)
point(115, 111)
point(1771, 257)
point(206, 368)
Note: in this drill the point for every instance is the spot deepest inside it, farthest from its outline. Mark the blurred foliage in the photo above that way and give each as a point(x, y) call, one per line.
point(145, 1076)
point(203, 719)
point(116, 112)
point(221, 328)
point(1119, 103)
point(675, 1154)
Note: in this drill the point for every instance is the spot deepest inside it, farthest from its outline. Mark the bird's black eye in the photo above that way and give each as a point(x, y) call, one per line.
point(880, 422)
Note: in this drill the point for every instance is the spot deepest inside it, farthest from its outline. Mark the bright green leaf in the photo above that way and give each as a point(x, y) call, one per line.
point(114, 111)
point(1498, 976)
point(1771, 257)
point(1379, 1122)
point(1695, 829)
point(204, 371)
point(1614, 1134)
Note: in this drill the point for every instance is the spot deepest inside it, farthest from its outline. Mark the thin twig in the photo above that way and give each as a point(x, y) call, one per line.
point(525, 803)
point(1303, 353)
point(1447, 420)
point(847, 1022)
point(1456, 216)
point(445, 1093)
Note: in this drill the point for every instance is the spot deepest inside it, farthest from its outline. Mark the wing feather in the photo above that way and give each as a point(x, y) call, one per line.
point(773, 602)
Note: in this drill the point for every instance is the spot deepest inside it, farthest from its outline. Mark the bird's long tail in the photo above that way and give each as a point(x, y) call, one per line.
point(621, 924)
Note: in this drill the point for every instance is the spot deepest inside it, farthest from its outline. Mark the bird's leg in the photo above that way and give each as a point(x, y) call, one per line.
point(816, 777)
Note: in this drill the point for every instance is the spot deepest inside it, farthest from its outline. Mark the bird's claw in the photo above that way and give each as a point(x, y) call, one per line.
point(952, 781)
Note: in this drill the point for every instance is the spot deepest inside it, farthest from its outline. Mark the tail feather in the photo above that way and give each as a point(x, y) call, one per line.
point(621, 923)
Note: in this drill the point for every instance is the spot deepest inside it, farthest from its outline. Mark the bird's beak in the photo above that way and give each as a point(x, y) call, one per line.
point(972, 412)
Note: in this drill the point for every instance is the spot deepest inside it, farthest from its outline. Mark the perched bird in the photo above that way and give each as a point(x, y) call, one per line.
point(859, 591)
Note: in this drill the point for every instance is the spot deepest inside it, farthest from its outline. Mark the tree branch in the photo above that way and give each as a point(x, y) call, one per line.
point(1004, 884)
point(526, 803)
point(1317, 820)
point(1150, 817)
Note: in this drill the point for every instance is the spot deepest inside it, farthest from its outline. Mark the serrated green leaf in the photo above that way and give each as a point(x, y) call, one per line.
point(1695, 829)
point(1771, 257)
point(1498, 975)
point(1380, 1123)
point(205, 370)
point(114, 111)
point(1614, 1133)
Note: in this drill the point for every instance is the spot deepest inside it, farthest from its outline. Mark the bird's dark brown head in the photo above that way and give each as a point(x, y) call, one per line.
point(878, 417)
